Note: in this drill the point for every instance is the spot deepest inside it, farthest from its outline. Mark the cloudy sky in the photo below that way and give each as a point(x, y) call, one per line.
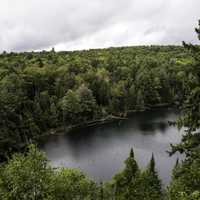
point(82, 24)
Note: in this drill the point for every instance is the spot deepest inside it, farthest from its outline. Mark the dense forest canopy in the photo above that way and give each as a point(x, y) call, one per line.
point(43, 91)
point(40, 91)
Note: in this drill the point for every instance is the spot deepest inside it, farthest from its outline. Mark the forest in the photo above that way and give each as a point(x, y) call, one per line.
point(43, 92)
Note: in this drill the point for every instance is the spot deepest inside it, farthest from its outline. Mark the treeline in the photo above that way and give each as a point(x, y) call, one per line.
point(185, 183)
point(40, 91)
point(29, 176)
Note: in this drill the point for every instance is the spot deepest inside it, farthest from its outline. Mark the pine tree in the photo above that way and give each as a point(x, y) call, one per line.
point(101, 192)
point(125, 182)
point(190, 117)
point(150, 184)
point(131, 167)
point(185, 182)
point(152, 164)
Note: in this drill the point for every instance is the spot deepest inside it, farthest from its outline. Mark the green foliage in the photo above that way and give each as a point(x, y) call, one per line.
point(70, 184)
point(29, 176)
point(47, 90)
point(185, 184)
point(186, 179)
point(190, 108)
point(151, 188)
point(126, 180)
point(70, 105)
point(134, 184)
point(26, 177)
point(78, 106)
point(41, 91)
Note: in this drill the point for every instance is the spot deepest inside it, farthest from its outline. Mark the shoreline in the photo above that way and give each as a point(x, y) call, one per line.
point(108, 119)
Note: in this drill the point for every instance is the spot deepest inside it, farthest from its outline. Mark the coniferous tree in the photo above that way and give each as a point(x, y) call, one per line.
point(152, 164)
point(153, 187)
point(131, 168)
point(41, 91)
point(126, 181)
point(185, 182)
point(101, 192)
point(190, 117)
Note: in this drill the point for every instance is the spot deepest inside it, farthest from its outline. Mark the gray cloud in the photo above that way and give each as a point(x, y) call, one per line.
point(79, 24)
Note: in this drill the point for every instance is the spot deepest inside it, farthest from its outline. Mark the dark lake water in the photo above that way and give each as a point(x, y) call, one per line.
point(100, 151)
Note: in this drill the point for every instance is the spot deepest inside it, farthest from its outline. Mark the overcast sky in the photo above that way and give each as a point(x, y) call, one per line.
point(83, 24)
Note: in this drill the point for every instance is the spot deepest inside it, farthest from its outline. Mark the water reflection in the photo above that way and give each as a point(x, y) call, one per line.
point(101, 151)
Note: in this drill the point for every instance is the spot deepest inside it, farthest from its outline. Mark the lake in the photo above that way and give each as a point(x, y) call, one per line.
point(100, 151)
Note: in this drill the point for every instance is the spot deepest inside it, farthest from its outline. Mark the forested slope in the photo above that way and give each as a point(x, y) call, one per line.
point(46, 90)
point(40, 91)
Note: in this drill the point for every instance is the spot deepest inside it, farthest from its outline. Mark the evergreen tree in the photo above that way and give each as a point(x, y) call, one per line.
point(185, 182)
point(190, 117)
point(41, 91)
point(151, 181)
point(126, 181)
point(152, 165)
point(131, 167)
point(101, 192)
